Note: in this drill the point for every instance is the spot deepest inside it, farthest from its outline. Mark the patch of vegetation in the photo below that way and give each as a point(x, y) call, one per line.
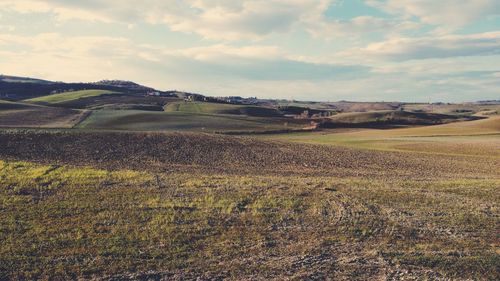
point(120, 101)
point(221, 108)
point(475, 138)
point(70, 96)
point(69, 223)
point(181, 121)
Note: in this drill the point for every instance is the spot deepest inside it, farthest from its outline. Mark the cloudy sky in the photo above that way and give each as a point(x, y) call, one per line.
point(411, 50)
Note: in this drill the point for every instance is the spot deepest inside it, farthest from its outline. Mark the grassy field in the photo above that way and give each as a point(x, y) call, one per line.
point(60, 222)
point(220, 108)
point(120, 102)
point(70, 96)
point(344, 106)
point(479, 137)
point(181, 121)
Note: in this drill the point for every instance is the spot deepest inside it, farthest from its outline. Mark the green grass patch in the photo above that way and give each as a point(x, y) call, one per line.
point(70, 96)
point(179, 121)
point(220, 108)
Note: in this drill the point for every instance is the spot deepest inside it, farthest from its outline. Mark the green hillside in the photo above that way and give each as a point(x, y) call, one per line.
point(220, 108)
point(180, 121)
point(69, 96)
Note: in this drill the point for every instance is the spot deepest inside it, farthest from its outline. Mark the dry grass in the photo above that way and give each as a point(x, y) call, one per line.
point(93, 223)
point(490, 125)
point(471, 138)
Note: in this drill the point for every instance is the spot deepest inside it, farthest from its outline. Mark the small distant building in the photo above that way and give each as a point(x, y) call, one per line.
point(234, 99)
point(192, 98)
point(160, 94)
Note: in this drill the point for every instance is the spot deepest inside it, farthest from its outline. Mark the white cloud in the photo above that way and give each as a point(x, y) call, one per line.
point(7, 27)
point(214, 19)
point(61, 11)
point(92, 58)
point(449, 13)
point(53, 56)
point(226, 20)
point(250, 20)
point(357, 26)
point(221, 53)
point(444, 46)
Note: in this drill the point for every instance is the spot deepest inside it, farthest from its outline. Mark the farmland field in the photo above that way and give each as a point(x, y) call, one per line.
point(188, 205)
point(70, 96)
point(471, 137)
point(15, 114)
point(171, 121)
point(119, 101)
point(219, 108)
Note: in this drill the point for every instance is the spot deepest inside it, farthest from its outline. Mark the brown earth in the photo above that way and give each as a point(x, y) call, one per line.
point(40, 116)
point(189, 152)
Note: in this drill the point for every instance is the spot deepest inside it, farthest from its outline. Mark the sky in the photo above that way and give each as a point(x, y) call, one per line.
point(323, 50)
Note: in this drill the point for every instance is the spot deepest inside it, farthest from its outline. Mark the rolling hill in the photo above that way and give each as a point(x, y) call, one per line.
point(484, 126)
point(23, 88)
point(140, 120)
point(16, 79)
point(23, 115)
point(70, 96)
point(220, 108)
point(391, 117)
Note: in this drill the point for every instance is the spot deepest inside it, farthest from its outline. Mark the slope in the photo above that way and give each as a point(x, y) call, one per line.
point(220, 108)
point(70, 96)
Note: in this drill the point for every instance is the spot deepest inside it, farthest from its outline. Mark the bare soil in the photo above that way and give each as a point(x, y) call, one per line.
point(226, 154)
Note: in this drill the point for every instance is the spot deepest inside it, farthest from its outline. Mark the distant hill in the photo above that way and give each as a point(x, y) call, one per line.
point(70, 96)
point(15, 79)
point(125, 85)
point(21, 88)
point(391, 118)
point(220, 108)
